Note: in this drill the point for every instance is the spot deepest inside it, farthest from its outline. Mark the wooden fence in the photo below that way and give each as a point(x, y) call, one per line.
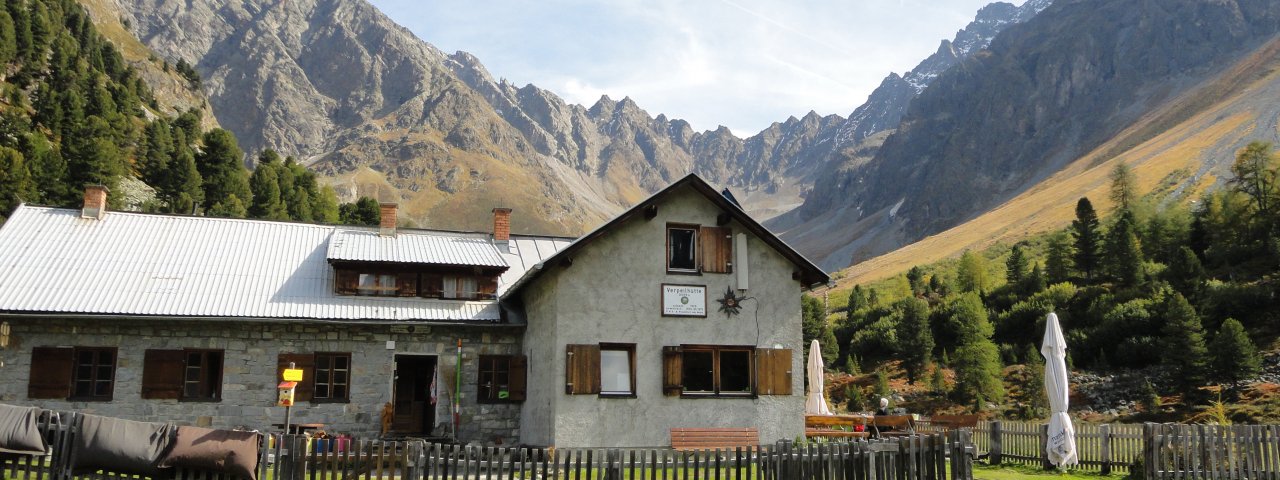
point(1102, 448)
point(1211, 451)
point(295, 457)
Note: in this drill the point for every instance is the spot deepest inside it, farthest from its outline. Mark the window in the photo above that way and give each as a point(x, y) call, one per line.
point(95, 372)
point(202, 375)
point(725, 371)
point(682, 255)
point(617, 370)
point(375, 283)
point(501, 379)
point(332, 378)
point(73, 373)
point(606, 369)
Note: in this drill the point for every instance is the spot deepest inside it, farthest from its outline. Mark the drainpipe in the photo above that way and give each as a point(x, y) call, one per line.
point(457, 394)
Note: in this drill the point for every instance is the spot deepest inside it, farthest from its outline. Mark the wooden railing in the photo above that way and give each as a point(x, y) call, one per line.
point(296, 457)
point(1211, 451)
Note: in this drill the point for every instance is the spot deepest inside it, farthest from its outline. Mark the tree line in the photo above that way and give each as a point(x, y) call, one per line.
point(73, 112)
point(1180, 288)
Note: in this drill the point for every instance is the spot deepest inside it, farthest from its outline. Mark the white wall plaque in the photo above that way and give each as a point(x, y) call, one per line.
point(684, 300)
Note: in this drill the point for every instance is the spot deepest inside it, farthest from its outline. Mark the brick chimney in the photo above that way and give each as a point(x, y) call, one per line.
point(501, 224)
point(387, 214)
point(95, 202)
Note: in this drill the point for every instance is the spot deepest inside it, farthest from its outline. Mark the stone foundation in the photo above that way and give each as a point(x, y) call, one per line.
point(249, 371)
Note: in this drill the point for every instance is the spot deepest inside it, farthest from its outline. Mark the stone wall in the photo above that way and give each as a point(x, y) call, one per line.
point(250, 378)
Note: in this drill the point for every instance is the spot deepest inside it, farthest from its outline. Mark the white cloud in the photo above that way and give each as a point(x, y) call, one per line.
point(741, 63)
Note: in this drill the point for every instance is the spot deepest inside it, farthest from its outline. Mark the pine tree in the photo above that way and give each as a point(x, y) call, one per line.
point(1124, 188)
point(1035, 281)
point(230, 207)
point(938, 382)
point(48, 170)
point(915, 278)
point(1150, 399)
point(1183, 337)
point(1015, 267)
point(815, 327)
point(15, 181)
point(8, 39)
point(364, 211)
point(265, 185)
point(857, 401)
point(1085, 228)
point(1185, 273)
point(1235, 358)
point(971, 274)
point(857, 300)
point(222, 170)
point(183, 188)
point(882, 385)
point(976, 361)
point(915, 339)
point(1123, 255)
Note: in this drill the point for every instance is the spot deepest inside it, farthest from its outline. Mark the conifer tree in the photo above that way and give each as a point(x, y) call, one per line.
point(1035, 281)
point(915, 339)
point(182, 189)
point(1087, 241)
point(976, 361)
point(1015, 267)
point(1123, 255)
point(1185, 272)
point(882, 385)
point(15, 181)
point(938, 381)
point(230, 207)
point(1235, 358)
point(857, 401)
point(222, 170)
point(971, 274)
point(857, 300)
point(325, 207)
point(8, 39)
point(915, 278)
point(1150, 399)
point(1124, 188)
point(1033, 386)
point(1183, 337)
point(48, 170)
point(265, 185)
point(364, 211)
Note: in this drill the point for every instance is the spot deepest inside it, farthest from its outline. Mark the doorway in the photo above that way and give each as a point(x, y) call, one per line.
point(415, 413)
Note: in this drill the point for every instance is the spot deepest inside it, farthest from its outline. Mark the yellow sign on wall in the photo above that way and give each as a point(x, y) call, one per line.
point(292, 375)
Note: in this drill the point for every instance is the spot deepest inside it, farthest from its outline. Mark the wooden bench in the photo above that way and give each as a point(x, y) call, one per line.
point(893, 425)
point(952, 422)
point(835, 426)
point(709, 438)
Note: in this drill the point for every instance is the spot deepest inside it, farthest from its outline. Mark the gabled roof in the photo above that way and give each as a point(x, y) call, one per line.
point(810, 274)
point(137, 264)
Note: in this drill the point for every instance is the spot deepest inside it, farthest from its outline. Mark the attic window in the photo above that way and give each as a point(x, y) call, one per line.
point(682, 253)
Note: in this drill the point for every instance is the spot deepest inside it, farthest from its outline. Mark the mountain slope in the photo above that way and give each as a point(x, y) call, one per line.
point(1046, 93)
point(1176, 152)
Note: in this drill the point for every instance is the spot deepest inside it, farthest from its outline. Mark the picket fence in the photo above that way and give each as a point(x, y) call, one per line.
point(1175, 451)
point(295, 457)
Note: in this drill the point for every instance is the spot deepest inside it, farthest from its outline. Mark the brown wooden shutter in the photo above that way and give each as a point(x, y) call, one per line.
point(582, 369)
point(307, 362)
point(516, 378)
point(672, 371)
point(162, 374)
point(51, 369)
point(407, 284)
point(345, 281)
point(773, 371)
point(715, 246)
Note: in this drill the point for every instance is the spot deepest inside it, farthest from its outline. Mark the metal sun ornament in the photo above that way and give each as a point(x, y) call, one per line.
point(730, 303)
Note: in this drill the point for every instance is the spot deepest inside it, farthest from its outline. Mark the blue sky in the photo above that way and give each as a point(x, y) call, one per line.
point(739, 63)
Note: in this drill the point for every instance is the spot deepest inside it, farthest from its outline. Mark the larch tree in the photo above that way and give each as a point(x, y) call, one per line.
point(1123, 187)
point(976, 361)
point(971, 274)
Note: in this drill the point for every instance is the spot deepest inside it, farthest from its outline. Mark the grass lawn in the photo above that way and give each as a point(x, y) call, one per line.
point(1012, 472)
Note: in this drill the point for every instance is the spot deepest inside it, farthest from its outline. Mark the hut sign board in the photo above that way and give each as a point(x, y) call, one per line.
point(684, 300)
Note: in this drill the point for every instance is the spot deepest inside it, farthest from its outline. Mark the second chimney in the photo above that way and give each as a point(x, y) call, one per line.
point(387, 223)
point(95, 202)
point(501, 224)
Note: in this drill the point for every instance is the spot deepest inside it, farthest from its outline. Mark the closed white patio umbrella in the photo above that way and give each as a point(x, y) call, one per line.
point(816, 404)
point(1061, 447)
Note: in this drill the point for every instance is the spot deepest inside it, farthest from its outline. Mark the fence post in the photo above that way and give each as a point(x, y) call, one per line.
point(413, 470)
point(996, 448)
point(1104, 433)
point(1044, 447)
point(1148, 451)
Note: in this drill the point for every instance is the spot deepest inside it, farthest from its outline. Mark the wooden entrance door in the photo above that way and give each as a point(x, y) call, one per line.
point(414, 412)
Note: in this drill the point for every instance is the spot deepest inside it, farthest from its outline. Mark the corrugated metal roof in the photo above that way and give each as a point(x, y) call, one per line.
point(53, 261)
point(405, 247)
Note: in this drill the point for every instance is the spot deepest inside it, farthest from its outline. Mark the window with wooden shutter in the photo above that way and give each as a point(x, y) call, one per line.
point(345, 281)
point(51, 369)
point(716, 248)
point(305, 361)
point(672, 371)
point(202, 375)
point(93, 378)
point(773, 371)
point(162, 374)
point(582, 370)
point(518, 375)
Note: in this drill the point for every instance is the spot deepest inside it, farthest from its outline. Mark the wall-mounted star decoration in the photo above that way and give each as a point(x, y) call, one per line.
point(730, 303)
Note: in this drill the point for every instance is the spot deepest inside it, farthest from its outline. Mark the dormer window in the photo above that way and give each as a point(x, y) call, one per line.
point(377, 285)
point(424, 282)
point(682, 251)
